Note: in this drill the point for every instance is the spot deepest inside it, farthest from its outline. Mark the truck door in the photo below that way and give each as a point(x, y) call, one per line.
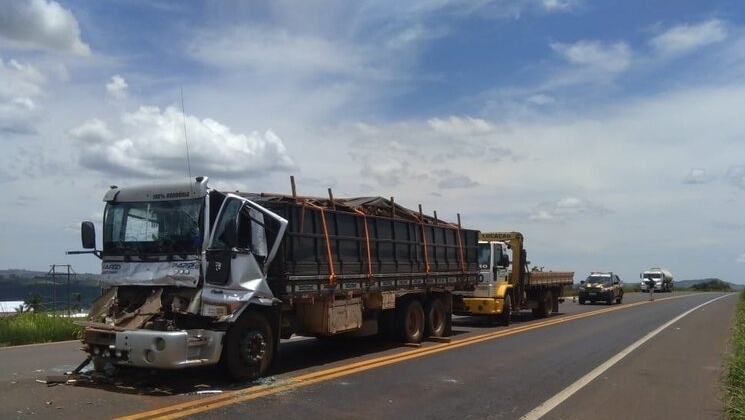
point(238, 251)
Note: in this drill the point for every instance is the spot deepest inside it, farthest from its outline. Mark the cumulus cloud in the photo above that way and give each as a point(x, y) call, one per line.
point(117, 87)
point(682, 39)
point(152, 143)
point(40, 24)
point(741, 258)
point(20, 87)
point(387, 171)
point(698, 176)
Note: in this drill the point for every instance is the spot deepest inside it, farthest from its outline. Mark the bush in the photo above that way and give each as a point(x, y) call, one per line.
point(36, 327)
point(735, 370)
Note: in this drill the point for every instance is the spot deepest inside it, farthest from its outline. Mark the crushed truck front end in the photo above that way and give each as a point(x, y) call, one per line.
point(166, 303)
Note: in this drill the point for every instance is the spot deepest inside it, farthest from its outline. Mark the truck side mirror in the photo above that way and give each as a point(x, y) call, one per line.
point(88, 235)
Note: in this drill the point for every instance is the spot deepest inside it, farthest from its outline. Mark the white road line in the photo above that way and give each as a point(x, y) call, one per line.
point(557, 399)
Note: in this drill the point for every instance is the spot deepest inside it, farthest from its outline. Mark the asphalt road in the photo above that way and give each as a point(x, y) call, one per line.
point(634, 360)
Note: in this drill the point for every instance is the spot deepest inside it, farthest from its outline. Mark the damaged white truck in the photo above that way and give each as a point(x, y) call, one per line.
point(194, 276)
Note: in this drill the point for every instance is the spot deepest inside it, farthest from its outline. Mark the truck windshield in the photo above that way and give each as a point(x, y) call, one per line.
point(153, 228)
point(652, 275)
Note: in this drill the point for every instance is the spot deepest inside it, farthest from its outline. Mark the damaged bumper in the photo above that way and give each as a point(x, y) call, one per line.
point(153, 349)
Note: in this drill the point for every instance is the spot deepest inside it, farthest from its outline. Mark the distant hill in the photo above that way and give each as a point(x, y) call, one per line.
point(15, 274)
point(691, 283)
point(56, 291)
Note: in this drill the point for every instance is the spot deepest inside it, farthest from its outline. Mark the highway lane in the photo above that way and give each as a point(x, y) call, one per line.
point(502, 376)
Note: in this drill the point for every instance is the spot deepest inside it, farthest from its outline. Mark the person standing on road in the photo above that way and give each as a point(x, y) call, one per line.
point(650, 286)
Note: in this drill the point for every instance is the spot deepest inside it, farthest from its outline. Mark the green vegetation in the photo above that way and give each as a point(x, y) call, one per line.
point(713, 285)
point(735, 370)
point(36, 327)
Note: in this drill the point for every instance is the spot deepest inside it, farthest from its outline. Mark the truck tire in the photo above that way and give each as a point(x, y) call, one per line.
point(410, 321)
point(504, 318)
point(248, 348)
point(545, 304)
point(436, 318)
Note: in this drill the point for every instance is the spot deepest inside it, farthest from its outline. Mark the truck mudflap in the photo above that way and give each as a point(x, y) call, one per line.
point(153, 349)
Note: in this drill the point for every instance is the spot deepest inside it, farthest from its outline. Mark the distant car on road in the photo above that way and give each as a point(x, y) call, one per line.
point(601, 286)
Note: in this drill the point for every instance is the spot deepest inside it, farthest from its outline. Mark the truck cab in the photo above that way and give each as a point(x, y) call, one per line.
point(601, 286)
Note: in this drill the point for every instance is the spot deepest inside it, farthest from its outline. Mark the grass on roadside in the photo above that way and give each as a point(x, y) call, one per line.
point(735, 370)
point(33, 327)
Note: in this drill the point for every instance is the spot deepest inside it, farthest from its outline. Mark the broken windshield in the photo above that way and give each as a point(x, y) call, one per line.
point(153, 228)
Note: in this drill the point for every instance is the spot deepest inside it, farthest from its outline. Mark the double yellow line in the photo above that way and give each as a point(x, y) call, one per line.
point(232, 397)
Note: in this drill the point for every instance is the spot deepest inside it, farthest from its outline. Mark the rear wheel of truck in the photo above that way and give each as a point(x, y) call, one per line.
point(410, 321)
point(249, 347)
point(545, 304)
point(436, 317)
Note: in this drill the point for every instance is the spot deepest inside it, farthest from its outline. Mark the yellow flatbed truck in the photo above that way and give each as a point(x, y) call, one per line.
point(505, 288)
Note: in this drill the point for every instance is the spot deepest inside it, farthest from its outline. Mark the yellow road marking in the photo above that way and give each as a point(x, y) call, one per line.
point(232, 397)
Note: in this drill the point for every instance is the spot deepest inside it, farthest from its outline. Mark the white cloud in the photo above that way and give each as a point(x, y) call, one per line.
point(20, 87)
point(268, 49)
point(741, 258)
point(541, 99)
point(40, 24)
point(698, 176)
point(682, 39)
point(152, 143)
point(117, 87)
point(567, 208)
point(459, 127)
point(605, 59)
point(554, 5)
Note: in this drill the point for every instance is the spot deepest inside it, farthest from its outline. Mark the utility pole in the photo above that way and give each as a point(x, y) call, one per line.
point(54, 273)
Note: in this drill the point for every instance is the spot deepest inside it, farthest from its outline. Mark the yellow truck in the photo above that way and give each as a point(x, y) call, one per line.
point(506, 286)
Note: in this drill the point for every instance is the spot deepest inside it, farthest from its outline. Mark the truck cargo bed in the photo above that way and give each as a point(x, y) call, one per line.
point(549, 278)
point(366, 243)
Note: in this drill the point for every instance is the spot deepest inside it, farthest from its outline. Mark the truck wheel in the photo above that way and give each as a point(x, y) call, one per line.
point(249, 347)
point(410, 321)
point(544, 306)
point(504, 317)
point(436, 318)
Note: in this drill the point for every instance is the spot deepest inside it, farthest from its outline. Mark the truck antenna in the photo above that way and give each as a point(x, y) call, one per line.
point(186, 140)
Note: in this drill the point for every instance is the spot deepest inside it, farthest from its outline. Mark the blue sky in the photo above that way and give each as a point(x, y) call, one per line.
point(608, 132)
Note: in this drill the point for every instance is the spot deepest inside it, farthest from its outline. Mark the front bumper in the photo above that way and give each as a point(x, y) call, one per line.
point(478, 306)
point(154, 349)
